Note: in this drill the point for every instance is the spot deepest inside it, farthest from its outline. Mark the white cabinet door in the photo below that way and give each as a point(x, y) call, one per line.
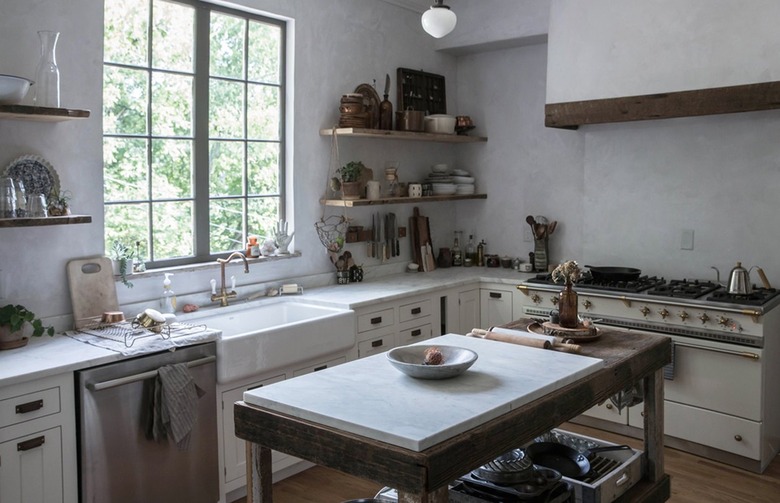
point(31, 468)
point(495, 307)
point(468, 311)
point(235, 450)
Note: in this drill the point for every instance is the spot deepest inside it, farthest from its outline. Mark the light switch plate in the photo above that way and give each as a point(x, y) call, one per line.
point(686, 240)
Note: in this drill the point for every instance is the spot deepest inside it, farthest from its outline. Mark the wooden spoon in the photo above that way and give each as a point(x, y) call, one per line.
point(551, 227)
point(532, 223)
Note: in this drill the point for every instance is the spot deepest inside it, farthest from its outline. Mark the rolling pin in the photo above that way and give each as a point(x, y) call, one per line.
point(526, 341)
point(512, 339)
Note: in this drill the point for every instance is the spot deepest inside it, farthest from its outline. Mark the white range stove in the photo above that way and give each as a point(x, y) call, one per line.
point(722, 388)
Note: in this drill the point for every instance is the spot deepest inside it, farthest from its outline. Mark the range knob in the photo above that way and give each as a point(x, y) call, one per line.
point(644, 310)
point(684, 315)
point(723, 321)
point(664, 313)
point(704, 318)
point(554, 299)
point(535, 299)
point(587, 304)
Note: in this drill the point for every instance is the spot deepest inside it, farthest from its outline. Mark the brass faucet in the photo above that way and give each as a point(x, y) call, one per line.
point(224, 295)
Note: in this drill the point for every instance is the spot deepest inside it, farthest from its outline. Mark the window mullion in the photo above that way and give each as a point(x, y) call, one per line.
point(201, 143)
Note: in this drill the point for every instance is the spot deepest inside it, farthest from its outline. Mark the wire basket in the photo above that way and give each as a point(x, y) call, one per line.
point(332, 231)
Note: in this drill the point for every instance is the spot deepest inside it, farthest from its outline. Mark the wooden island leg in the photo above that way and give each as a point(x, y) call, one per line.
point(440, 495)
point(259, 479)
point(654, 425)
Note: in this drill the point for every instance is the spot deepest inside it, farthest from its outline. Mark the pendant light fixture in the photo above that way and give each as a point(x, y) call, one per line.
point(439, 20)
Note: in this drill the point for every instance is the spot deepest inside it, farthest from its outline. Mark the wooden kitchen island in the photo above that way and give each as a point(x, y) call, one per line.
point(423, 475)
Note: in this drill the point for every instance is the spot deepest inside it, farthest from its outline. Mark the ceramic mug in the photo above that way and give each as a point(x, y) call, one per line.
point(415, 190)
point(372, 189)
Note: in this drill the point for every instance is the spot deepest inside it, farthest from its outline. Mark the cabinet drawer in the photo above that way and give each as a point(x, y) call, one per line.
point(375, 346)
point(374, 320)
point(414, 311)
point(727, 433)
point(18, 409)
point(320, 366)
point(32, 468)
point(416, 334)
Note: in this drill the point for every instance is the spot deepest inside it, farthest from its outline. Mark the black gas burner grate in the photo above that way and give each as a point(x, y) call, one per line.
point(757, 297)
point(640, 284)
point(683, 288)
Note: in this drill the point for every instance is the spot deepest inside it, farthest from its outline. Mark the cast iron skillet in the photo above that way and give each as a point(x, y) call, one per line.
point(614, 273)
point(564, 459)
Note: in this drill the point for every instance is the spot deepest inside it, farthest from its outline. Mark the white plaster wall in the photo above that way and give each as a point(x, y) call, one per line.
point(495, 24)
point(604, 49)
point(525, 168)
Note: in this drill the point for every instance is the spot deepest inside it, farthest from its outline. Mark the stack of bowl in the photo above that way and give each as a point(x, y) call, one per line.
point(440, 180)
point(353, 111)
point(464, 182)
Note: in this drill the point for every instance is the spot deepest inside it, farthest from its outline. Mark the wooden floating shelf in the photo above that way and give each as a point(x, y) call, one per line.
point(41, 114)
point(39, 222)
point(714, 101)
point(403, 135)
point(398, 200)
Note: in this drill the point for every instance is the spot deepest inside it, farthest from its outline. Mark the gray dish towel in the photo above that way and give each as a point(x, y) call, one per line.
point(175, 404)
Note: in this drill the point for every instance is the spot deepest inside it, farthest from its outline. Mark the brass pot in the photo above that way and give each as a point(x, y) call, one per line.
point(410, 120)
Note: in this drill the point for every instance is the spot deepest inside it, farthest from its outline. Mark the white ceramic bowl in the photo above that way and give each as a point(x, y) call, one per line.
point(409, 360)
point(440, 124)
point(13, 89)
point(439, 168)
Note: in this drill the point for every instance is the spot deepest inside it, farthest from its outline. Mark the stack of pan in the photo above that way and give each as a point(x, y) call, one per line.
point(353, 111)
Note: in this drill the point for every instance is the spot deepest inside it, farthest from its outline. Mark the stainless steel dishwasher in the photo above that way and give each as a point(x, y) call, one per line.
point(118, 461)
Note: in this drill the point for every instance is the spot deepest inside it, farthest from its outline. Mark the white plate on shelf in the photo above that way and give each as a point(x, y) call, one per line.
point(464, 189)
point(463, 179)
point(38, 176)
point(444, 191)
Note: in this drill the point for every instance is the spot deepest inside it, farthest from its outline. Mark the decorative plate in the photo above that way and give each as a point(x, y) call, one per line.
point(38, 176)
point(372, 101)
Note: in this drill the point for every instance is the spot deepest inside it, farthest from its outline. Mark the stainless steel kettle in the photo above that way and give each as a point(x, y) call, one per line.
point(739, 280)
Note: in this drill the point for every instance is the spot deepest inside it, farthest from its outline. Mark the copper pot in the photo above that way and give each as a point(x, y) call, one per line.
point(410, 120)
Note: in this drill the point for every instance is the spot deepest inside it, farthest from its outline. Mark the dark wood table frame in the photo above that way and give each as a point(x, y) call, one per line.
point(422, 477)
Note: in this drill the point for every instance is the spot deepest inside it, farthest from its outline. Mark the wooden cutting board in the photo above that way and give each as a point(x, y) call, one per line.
point(92, 289)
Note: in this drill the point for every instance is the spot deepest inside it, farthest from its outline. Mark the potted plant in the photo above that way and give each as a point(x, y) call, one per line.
point(13, 319)
point(350, 179)
point(59, 203)
point(122, 256)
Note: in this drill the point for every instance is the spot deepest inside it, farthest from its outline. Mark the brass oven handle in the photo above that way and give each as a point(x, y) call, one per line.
point(743, 354)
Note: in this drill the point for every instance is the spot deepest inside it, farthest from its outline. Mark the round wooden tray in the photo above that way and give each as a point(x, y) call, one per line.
point(579, 334)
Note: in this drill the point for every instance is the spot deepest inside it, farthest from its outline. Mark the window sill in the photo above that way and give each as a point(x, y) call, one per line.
point(203, 266)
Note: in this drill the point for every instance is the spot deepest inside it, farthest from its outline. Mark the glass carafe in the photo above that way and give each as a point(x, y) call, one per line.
point(47, 74)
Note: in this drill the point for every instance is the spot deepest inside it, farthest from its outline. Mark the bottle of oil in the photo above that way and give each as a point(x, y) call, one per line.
point(457, 254)
point(481, 253)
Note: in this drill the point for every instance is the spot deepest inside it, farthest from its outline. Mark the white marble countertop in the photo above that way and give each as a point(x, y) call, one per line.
point(44, 356)
point(398, 286)
point(389, 406)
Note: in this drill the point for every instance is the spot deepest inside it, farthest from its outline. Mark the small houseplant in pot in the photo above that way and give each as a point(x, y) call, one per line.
point(351, 187)
point(122, 257)
point(13, 319)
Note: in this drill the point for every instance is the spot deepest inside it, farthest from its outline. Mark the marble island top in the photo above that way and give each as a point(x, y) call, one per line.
point(369, 397)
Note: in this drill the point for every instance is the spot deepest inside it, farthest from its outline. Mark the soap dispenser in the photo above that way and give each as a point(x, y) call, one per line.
point(168, 299)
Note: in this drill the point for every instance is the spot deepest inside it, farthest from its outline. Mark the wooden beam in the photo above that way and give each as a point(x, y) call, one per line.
point(714, 101)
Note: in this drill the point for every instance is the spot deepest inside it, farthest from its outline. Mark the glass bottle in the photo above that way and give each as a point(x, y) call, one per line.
point(47, 74)
point(567, 307)
point(471, 252)
point(457, 255)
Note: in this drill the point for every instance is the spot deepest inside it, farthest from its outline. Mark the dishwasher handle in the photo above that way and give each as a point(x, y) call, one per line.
point(113, 383)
